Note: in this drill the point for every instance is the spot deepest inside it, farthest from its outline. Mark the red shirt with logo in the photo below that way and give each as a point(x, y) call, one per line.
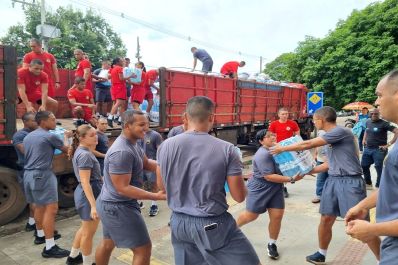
point(48, 60)
point(84, 64)
point(32, 83)
point(84, 96)
point(283, 130)
point(230, 67)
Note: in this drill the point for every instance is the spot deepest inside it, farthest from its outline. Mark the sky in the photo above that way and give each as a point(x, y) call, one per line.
point(254, 28)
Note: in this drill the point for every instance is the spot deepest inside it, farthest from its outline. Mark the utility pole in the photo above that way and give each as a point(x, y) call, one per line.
point(261, 64)
point(138, 55)
point(42, 16)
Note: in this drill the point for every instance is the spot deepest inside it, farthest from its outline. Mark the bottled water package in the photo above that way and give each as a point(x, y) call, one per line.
point(294, 162)
point(59, 132)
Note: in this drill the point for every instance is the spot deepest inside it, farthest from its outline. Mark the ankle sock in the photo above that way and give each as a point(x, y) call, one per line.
point(40, 233)
point(323, 251)
point(50, 243)
point(31, 221)
point(74, 252)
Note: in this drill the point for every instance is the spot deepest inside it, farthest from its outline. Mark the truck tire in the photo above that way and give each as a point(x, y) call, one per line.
point(12, 199)
point(66, 187)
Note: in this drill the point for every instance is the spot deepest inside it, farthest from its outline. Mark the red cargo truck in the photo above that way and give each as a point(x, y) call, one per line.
point(242, 108)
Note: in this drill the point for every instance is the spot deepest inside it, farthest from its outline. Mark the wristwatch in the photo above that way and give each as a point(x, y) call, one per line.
point(292, 180)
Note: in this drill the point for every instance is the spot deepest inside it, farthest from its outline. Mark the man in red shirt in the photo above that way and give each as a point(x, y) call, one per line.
point(284, 128)
point(50, 64)
point(150, 77)
point(230, 69)
point(82, 102)
point(83, 68)
point(33, 88)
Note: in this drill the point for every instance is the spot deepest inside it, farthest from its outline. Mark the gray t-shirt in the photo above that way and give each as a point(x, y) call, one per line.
point(194, 168)
point(39, 149)
point(150, 143)
point(342, 154)
point(263, 165)
point(201, 55)
point(387, 203)
point(123, 157)
point(83, 158)
point(175, 131)
point(17, 139)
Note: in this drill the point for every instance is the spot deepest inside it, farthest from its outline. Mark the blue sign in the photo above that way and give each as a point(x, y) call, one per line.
point(314, 102)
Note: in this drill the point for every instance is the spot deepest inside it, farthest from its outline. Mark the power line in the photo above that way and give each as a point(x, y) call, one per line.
point(158, 28)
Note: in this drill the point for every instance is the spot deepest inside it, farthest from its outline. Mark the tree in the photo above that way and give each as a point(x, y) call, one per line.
point(89, 32)
point(348, 63)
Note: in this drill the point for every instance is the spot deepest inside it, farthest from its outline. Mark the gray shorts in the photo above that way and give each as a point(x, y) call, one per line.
point(103, 94)
point(262, 196)
point(207, 66)
point(82, 204)
point(123, 223)
point(41, 187)
point(389, 251)
point(223, 243)
point(341, 193)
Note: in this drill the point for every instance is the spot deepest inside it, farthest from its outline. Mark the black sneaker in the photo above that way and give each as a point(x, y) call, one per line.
point(316, 258)
point(285, 193)
point(110, 122)
point(141, 204)
point(154, 210)
point(119, 123)
point(76, 260)
point(41, 240)
point(29, 227)
point(272, 251)
point(55, 252)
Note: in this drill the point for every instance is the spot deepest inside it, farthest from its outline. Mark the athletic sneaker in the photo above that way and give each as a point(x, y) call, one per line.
point(153, 211)
point(272, 251)
point(316, 258)
point(29, 227)
point(76, 260)
point(41, 239)
point(316, 200)
point(110, 122)
point(55, 252)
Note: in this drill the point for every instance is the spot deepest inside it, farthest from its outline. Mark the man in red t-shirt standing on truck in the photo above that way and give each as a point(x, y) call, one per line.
point(284, 128)
point(50, 64)
point(33, 88)
point(83, 68)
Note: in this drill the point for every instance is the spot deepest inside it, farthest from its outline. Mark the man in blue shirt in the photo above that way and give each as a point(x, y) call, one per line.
point(30, 125)
point(204, 57)
point(385, 198)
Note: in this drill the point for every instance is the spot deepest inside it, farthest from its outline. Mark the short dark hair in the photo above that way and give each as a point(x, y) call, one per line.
point(38, 42)
point(392, 77)
point(199, 108)
point(328, 113)
point(242, 62)
point(28, 116)
point(42, 116)
point(79, 79)
point(260, 135)
point(36, 61)
point(282, 109)
point(128, 117)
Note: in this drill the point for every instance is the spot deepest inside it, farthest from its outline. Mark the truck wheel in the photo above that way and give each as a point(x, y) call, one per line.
point(12, 199)
point(66, 187)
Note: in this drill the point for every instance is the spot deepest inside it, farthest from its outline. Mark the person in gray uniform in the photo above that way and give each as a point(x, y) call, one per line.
point(40, 183)
point(344, 187)
point(202, 231)
point(117, 206)
point(178, 129)
point(29, 125)
point(87, 171)
point(150, 144)
point(265, 191)
point(103, 142)
point(385, 198)
point(204, 57)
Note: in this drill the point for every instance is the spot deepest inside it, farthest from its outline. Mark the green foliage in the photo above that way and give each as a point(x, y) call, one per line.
point(348, 63)
point(89, 32)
